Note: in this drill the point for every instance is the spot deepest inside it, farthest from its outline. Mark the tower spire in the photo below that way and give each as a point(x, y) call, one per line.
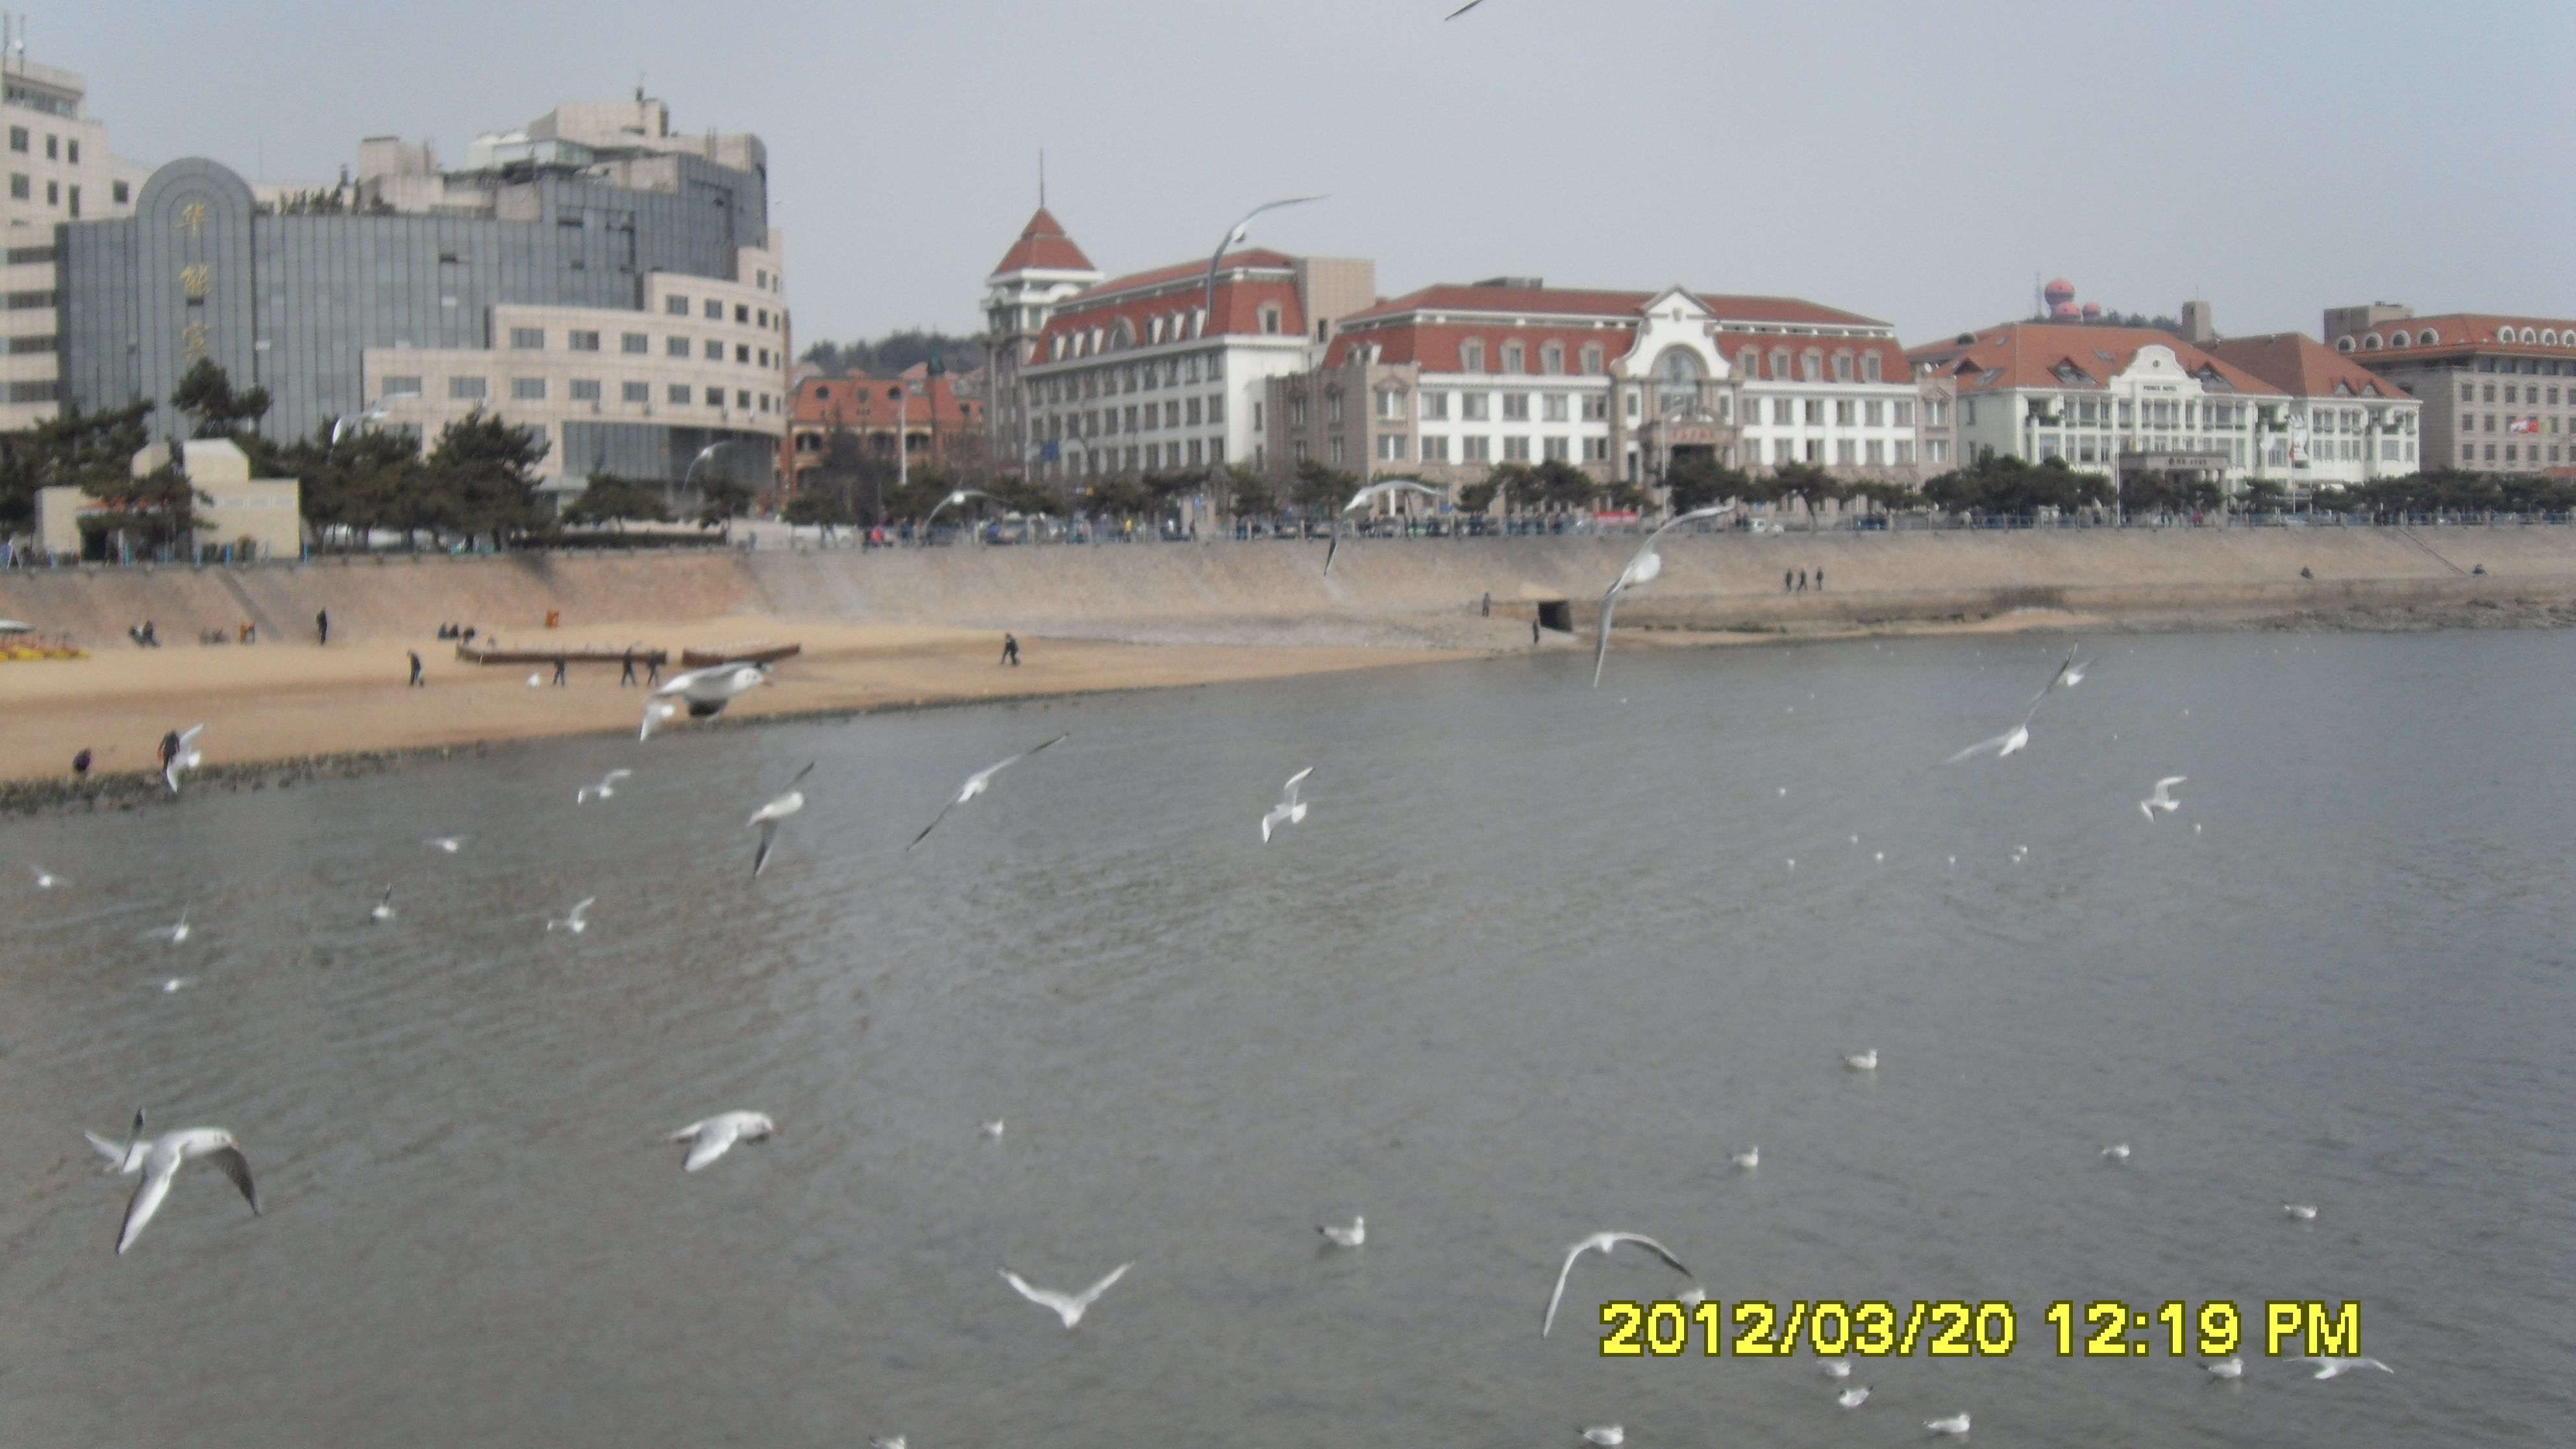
point(1041, 178)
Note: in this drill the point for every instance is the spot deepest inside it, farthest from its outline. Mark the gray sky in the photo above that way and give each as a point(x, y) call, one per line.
point(1914, 161)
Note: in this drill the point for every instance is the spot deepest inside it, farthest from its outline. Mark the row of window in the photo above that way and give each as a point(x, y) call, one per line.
point(1137, 418)
point(2512, 424)
point(1146, 376)
point(2513, 452)
point(22, 187)
point(584, 389)
point(744, 314)
point(638, 344)
point(2542, 337)
point(23, 143)
point(1106, 460)
point(2527, 394)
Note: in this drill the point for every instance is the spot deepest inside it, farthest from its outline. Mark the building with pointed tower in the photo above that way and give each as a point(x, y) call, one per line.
point(1041, 269)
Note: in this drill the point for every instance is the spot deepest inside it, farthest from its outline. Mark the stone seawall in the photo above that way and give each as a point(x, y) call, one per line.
point(1422, 591)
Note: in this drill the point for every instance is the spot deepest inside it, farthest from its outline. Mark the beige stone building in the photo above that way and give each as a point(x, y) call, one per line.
point(255, 518)
point(58, 169)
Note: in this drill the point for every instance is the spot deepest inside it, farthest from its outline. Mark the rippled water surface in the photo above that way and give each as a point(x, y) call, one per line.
point(1534, 966)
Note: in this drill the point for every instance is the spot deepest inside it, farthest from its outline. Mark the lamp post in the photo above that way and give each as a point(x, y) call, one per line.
point(689, 475)
point(960, 496)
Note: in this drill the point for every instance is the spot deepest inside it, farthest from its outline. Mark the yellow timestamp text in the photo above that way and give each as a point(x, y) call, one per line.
point(1955, 1328)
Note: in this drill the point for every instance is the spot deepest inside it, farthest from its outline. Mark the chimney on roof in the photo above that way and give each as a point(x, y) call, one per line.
point(2195, 324)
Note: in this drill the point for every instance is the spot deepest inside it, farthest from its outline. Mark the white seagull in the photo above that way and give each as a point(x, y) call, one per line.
point(886, 1441)
point(1835, 1368)
point(2012, 740)
point(2230, 1367)
point(1863, 1061)
point(976, 784)
point(1290, 809)
point(605, 789)
point(714, 1137)
point(2162, 799)
point(1608, 1436)
point(536, 681)
point(1955, 1424)
point(174, 933)
point(1749, 1159)
point(188, 757)
point(993, 1129)
point(1362, 499)
point(45, 880)
point(1603, 1243)
point(2117, 1152)
point(579, 919)
point(2333, 1367)
point(160, 1160)
point(1067, 1306)
point(2302, 1211)
point(2070, 673)
point(1350, 1237)
point(704, 693)
point(383, 910)
point(770, 816)
point(449, 843)
point(1853, 1398)
point(1642, 568)
point(122, 1157)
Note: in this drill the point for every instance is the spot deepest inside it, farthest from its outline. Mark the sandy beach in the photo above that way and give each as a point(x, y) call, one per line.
point(272, 702)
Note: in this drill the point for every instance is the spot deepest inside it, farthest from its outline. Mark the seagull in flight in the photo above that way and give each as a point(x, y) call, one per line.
point(605, 789)
point(2010, 742)
point(1452, 15)
point(175, 933)
point(976, 784)
point(714, 1137)
point(2117, 1152)
point(770, 816)
point(2302, 1211)
point(1863, 1061)
point(993, 1129)
point(1290, 809)
point(704, 693)
point(1067, 1306)
point(1749, 1159)
point(45, 880)
point(187, 758)
point(2230, 1367)
point(886, 1441)
point(449, 843)
point(2162, 799)
point(1603, 1243)
point(1955, 1424)
point(159, 1161)
point(2328, 1368)
point(383, 910)
point(1362, 499)
point(1853, 1398)
point(1642, 568)
point(1836, 1368)
point(579, 919)
point(1608, 1436)
point(1350, 1237)
point(2070, 673)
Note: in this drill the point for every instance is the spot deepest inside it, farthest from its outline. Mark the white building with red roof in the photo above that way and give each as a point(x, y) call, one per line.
point(2341, 424)
point(1447, 382)
point(1041, 269)
point(2499, 393)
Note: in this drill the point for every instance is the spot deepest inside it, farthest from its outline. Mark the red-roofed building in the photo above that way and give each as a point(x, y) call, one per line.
point(2342, 424)
point(1041, 269)
point(940, 420)
point(2499, 393)
point(1447, 382)
point(2117, 400)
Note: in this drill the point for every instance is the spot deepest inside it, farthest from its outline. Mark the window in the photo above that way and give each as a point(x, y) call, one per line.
point(1337, 450)
point(2468, 452)
point(1557, 450)
point(1435, 406)
point(1471, 355)
point(1216, 408)
point(1779, 364)
point(741, 352)
point(527, 389)
point(1390, 447)
point(1515, 450)
point(18, 139)
point(1478, 449)
point(635, 392)
point(1811, 368)
point(676, 347)
point(1815, 412)
point(117, 192)
point(676, 305)
point(1904, 410)
point(1815, 450)
point(1270, 321)
point(400, 387)
point(1435, 450)
point(584, 389)
point(742, 313)
point(1551, 359)
point(1904, 450)
point(528, 339)
point(1332, 406)
point(1553, 407)
point(1475, 407)
point(714, 310)
point(742, 399)
point(1843, 412)
point(465, 389)
point(1512, 357)
point(1842, 367)
point(1596, 450)
point(75, 203)
point(2490, 392)
point(19, 186)
point(53, 193)
point(1869, 367)
point(2490, 452)
point(1875, 413)
point(54, 152)
point(1844, 451)
point(1516, 407)
point(582, 341)
point(1784, 411)
point(1596, 407)
point(1936, 413)
point(1592, 359)
point(634, 344)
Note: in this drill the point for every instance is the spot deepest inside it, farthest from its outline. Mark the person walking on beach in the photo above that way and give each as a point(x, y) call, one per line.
point(652, 670)
point(1011, 651)
point(1488, 611)
point(80, 763)
point(563, 671)
point(322, 626)
point(627, 676)
point(1820, 580)
point(1533, 633)
point(1802, 581)
point(1788, 577)
point(416, 681)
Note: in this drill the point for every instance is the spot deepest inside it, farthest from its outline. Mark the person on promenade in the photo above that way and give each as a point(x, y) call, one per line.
point(652, 670)
point(1488, 610)
point(1011, 651)
point(1533, 633)
point(1820, 580)
point(1788, 579)
point(627, 676)
point(80, 763)
point(563, 671)
point(1802, 581)
point(322, 626)
point(417, 682)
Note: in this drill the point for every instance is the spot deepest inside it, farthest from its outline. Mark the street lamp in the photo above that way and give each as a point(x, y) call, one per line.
point(1235, 235)
point(690, 474)
point(960, 496)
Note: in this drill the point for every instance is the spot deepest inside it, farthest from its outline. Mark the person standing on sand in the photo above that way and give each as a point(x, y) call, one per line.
point(563, 671)
point(1488, 610)
point(1820, 580)
point(1533, 633)
point(1011, 651)
point(1802, 581)
point(322, 626)
point(628, 676)
point(416, 681)
point(1787, 578)
point(80, 763)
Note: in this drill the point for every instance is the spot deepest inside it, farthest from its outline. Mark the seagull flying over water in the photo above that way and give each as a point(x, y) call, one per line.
point(976, 784)
point(1836, 1368)
point(605, 789)
point(2011, 741)
point(1461, 10)
point(45, 880)
point(770, 816)
point(703, 692)
point(2230, 1367)
point(1363, 499)
point(1955, 1424)
point(383, 910)
point(1863, 1061)
point(174, 933)
point(1642, 568)
point(2302, 1211)
point(1608, 1436)
point(188, 757)
point(449, 843)
point(1068, 1306)
point(1853, 1398)
point(2117, 1152)
point(1749, 1159)
point(159, 1160)
point(2070, 673)
point(1290, 809)
point(1603, 1243)
point(2162, 799)
point(578, 920)
point(2328, 1368)
point(993, 1129)
point(714, 1137)
point(1350, 1237)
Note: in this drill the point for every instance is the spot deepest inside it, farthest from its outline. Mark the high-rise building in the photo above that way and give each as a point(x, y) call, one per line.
point(59, 170)
point(594, 275)
point(2499, 393)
